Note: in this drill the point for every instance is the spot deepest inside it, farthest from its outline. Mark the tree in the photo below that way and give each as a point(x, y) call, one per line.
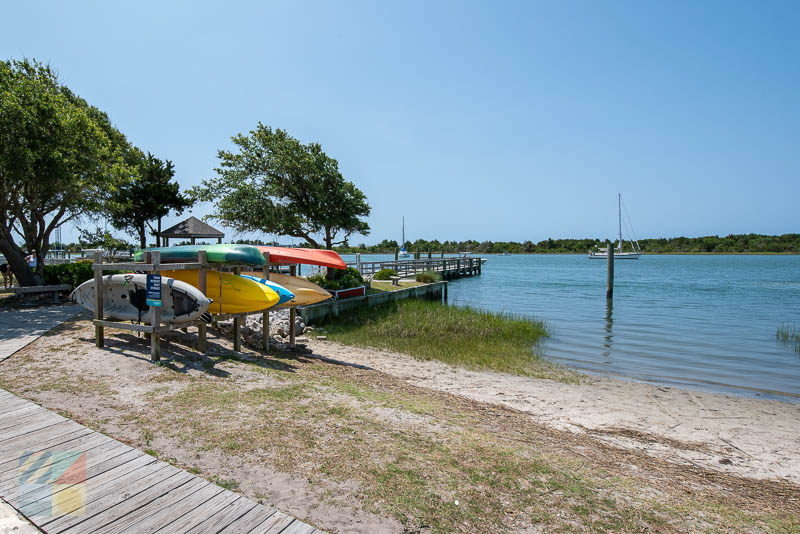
point(60, 159)
point(149, 197)
point(100, 238)
point(276, 184)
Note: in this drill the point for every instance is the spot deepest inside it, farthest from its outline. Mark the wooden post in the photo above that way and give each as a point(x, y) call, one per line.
point(265, 315)
point(237, 322)
point(99, 337)
point(202, 279)
point(358, 262)
point(445, 292)
point(292, 312)
point(155, 339)
point(442, 253)
point(430, 252)
point(610, 280)
point(396, 253)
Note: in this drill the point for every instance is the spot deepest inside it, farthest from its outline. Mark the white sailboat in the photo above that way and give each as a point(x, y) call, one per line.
point(636, 251)
point(403, 253)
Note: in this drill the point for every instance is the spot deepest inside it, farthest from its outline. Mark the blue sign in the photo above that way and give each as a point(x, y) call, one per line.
point(153, 290)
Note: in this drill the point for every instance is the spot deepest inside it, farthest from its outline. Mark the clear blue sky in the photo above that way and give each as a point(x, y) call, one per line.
point(491, 120)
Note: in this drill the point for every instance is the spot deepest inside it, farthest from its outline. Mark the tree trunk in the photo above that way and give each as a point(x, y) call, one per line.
point(142, 236)
point(158, 235)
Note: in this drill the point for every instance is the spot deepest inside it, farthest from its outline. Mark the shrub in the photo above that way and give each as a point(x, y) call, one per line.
point(344, 280)
point(385, 274)
point(72, 274)
point(428, 277)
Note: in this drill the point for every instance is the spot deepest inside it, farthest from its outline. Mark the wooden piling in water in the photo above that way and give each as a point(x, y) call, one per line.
point(610, 279)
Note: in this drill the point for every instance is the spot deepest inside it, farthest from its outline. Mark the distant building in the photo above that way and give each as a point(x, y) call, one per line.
point(190, 229)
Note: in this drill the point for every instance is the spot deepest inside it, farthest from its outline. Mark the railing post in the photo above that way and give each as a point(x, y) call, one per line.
point(99, 334)
point(292, 312)
point(202, 282)
point(155, 339)
point(237, 321)
point(265, 315)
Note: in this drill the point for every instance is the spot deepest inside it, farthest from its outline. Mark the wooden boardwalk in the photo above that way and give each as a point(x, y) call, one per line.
point(125, 490)
point(448, 268)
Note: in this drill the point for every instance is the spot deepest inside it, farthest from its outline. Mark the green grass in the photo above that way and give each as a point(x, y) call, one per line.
point(459, 336)
point(789, 335)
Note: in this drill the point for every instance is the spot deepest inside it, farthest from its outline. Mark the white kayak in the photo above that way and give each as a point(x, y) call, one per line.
point(124, 299)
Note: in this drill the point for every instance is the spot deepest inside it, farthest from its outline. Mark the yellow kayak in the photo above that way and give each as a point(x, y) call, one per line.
point(305, 292)
point(234, 295)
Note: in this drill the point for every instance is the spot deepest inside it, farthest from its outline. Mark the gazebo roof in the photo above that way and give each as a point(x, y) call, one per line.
point(192, 227)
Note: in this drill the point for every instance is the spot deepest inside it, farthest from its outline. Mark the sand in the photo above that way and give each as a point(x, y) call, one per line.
point(742, 436)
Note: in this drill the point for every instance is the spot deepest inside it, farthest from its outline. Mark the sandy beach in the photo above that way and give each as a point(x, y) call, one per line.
point(743, 436)
point(366, 441)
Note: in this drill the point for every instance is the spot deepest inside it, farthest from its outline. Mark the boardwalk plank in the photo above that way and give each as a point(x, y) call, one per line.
point(274, 525)
point(210, 510)
point(6, 437)
point(222, 521)
point(100, 500)
point(111, 458)
point(83, 443)
point(47, 436)
point(249, 521)
point(121, 508)
point(154, 509)
point(126, 490)
point(10, 456)
point(298, 527)
point(17, 411)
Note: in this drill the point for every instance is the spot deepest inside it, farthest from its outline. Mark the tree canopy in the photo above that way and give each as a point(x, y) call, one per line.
point(60, 158)
point(273, 183)
point(149, 197)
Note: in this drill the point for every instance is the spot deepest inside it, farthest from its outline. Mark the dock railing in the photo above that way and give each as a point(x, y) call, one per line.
point(446, 267)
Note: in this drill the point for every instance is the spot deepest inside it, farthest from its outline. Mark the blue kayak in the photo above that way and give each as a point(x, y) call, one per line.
point(284, 295)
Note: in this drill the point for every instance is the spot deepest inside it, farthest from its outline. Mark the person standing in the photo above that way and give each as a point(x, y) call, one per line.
point(8, 275)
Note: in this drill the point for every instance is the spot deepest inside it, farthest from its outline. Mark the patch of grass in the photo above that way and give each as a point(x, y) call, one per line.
point(380, 287)
point(228, 484)
point(459, 336)
point(151, 452)
point(428, 277)
point(385, 274)
point(789, 335)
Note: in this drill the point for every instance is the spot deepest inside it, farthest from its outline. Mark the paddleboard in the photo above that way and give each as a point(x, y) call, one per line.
point(305, 292)
point(235, 254)
point(306, 256)
point(284, 295)
point(124, 299)
point(235, 294)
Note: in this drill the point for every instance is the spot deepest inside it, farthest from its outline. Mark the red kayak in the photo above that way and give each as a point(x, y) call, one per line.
point(307, 256)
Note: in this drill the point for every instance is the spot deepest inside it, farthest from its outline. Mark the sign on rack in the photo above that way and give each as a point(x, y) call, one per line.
point(153, 295)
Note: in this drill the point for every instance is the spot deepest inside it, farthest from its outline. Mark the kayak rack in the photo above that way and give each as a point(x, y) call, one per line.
point(152, 264)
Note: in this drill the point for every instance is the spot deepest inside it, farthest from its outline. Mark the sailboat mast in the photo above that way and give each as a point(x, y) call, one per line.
point(403, 244)
point(619, 211)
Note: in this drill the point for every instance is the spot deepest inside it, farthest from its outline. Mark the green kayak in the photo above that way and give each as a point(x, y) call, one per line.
point(237, 254)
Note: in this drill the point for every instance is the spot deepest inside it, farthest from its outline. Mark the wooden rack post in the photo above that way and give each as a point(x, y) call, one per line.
point(202, 281)
point(292, 312)
point(99, 337)
point(155, 339)
point(610, 278)
point(237, 322)
point(265, 315)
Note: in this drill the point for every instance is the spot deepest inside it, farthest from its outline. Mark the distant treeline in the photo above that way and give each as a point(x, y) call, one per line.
point(734, 243)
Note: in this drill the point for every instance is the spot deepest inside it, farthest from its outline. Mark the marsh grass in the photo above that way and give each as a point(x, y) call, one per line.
point(466, 337)
point(789, 335)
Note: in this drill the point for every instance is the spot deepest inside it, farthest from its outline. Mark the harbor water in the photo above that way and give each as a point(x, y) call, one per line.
point(705, 322)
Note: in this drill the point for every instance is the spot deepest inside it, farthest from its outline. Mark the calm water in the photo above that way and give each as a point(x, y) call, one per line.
point(705, 322)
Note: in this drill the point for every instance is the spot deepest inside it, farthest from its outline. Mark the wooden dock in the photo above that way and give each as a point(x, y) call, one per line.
point(123, 489)
point(448, 268)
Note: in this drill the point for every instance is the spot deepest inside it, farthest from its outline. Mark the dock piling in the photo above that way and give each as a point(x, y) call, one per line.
point(98, 300)
point(610, 279)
